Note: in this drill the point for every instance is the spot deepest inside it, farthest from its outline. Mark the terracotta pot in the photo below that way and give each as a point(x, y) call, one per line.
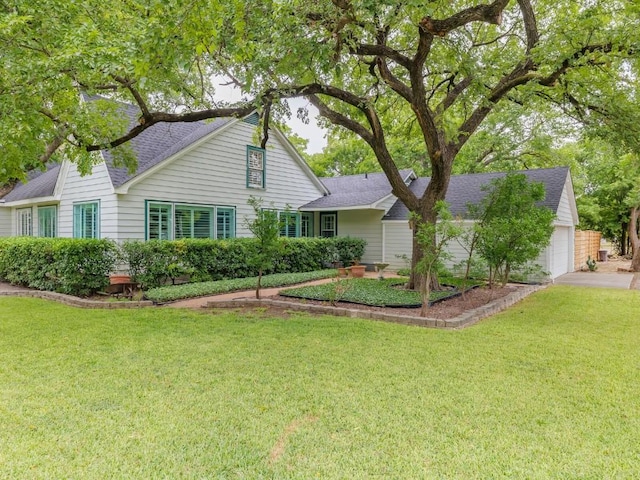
point(119, 279)
point(342, 272)
point(357, 271)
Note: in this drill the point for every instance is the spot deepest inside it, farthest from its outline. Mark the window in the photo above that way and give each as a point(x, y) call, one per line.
point(193, 222)
point(328, 224)
point(169, 221)
point(86, 220)
point(256, 160)
point(225, 222)
point(290, 224)
point(48, 221)
point(25, 222)
point(306, 225)
point(159, 217)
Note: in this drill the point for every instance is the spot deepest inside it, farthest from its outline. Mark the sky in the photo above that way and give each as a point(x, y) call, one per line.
point(312, 132)
point(315, 134)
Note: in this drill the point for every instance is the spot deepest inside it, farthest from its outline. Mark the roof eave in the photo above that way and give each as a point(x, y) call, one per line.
point(343, 208)
point(30, 201)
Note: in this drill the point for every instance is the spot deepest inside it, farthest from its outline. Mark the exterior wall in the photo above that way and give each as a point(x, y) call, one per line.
point(397, 242)
point(214, 173)
point(6, 220)
point(9, 218)
point(563, 215)
point(364, 224)
point(95, 186)
point(556, 259)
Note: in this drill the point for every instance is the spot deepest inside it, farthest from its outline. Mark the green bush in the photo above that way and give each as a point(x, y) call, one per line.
point(155, 262)
point(73, 266)
point(349, 249)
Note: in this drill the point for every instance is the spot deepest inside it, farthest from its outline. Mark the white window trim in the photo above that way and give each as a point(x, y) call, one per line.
point(21, 222)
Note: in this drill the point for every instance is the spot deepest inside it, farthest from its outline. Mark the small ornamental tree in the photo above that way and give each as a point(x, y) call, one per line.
point(433, 239)
point(265, 227)
point(512, 228)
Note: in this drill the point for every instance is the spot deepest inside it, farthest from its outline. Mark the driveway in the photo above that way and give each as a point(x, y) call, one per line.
point(607, 275)
point(595, 279)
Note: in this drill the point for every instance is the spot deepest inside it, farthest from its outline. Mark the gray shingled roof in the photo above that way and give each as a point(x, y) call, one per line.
point(158, 143)
point(39, 184)
point(354, 190)
point(151, 147)
point(466, 189)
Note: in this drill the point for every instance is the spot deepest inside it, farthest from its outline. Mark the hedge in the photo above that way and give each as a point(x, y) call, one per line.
point(81, 266)
point(158, 262)
point(73, 266)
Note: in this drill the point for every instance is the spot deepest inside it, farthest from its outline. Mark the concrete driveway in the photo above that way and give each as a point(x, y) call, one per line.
point(596, 279)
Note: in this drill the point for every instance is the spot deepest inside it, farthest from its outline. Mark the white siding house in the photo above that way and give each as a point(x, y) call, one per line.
point(192, 180)
point(5, 222)
point(357, 197)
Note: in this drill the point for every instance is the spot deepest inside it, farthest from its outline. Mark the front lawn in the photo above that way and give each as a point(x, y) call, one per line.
point(548, 389)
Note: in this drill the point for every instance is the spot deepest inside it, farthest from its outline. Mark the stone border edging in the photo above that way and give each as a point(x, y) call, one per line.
point(464, 320)
point(74, 301)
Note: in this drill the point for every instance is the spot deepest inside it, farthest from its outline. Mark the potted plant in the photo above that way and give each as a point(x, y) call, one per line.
point(357, 270)
point(119, 278)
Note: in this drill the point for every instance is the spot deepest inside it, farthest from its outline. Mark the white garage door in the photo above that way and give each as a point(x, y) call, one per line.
point(561, 261)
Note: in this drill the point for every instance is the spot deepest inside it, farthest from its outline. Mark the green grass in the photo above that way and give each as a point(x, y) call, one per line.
point(368, 291)
point(191, 290)
point(548, 389)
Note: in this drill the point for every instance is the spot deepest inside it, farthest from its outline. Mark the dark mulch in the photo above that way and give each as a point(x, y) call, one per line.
point(449, 308)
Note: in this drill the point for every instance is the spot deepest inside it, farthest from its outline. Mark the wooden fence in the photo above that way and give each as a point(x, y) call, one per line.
point(587, 244)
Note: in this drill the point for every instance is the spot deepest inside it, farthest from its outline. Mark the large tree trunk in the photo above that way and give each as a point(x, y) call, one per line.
point(635, 241)
point(436, 190)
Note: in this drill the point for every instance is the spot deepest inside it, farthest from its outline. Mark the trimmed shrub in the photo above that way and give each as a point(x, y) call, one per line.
point(155, 263)
point(73, 266)
point(349, 249)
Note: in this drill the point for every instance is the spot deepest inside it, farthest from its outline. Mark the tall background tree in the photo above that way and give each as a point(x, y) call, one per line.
point(432, 71)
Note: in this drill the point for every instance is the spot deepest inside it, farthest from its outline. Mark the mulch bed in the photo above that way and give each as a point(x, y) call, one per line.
point(445, 309)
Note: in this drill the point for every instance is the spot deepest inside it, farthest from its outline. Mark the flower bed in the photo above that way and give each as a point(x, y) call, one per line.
point(366, 291)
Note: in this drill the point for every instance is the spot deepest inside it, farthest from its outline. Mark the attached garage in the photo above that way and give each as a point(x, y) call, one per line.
point(556, 259)
point(560, 251)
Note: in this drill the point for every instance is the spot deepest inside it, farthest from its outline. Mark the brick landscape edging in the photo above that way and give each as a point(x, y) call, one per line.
point(74, 301)
point(464, 320)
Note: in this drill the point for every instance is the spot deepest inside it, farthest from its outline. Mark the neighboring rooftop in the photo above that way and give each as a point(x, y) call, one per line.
point(354, 190)
point(467, 189)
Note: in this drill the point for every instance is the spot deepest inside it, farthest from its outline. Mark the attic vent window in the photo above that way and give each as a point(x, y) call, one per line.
point(256, 163)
